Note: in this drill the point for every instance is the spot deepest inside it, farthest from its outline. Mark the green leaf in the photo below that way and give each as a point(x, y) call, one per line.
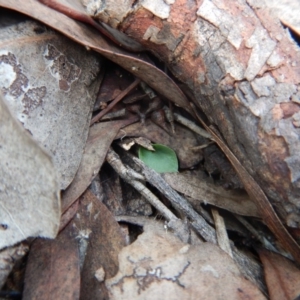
point(162, 160)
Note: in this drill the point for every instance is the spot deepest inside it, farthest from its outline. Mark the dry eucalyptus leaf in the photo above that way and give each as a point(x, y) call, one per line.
point(159, 266)
point(282, 276)
point(103, 244)
point(49, 84)
point(29, 195)
point(100, 137)
point(203, 191)
point(52, 270)
point(114, 82)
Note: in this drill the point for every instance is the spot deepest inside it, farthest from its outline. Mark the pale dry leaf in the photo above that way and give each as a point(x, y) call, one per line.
point(159, 266)
point(100, 137)
point(50, 85)
point(282, 276)
point(201, 190)
point(29, 194)
point(221, 232)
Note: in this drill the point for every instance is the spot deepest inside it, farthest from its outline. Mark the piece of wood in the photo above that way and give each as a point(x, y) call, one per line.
point(242, 70)
point(258, 196)
point(52, 270)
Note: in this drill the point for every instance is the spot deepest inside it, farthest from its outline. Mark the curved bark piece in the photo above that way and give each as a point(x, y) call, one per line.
point(243, 71)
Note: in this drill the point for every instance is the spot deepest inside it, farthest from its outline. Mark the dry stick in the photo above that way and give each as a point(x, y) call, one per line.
point(197, 148)
point(263, 240)
point(180, 203)
point(114, 115)
point(223, 240)
point(257, 195)
point(132, 177)
point(248, 267)
point(113, 103)
point(187, 123)
point(171, 116)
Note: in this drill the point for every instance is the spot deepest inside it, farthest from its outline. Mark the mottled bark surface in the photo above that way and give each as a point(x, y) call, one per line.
point(243, 70)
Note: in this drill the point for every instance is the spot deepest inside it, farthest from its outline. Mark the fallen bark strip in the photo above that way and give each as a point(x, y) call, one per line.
point(258, 196)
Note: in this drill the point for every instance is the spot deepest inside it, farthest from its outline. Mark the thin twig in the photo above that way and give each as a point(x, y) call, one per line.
point(223, 240)
point(187, 123)
point(197, 148)
point(132, 177)
point(114, 115)
point(171, 116)
point(113, 103)
point(180, 203)
point(248, 267)
point(264, 241)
